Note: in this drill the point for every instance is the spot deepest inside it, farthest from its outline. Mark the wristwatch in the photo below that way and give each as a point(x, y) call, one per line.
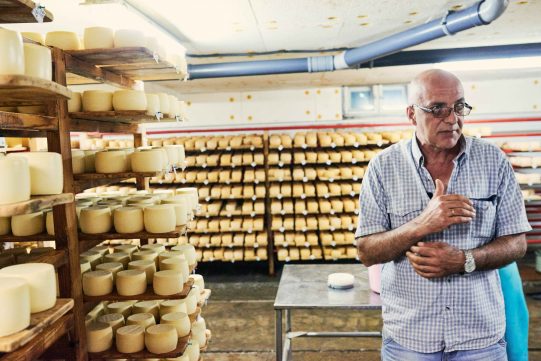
point(469, 265)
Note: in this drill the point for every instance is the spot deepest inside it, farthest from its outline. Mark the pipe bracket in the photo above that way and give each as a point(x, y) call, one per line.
point(443, 23)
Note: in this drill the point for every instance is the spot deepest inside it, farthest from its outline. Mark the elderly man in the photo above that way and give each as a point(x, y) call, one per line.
point(443, 213)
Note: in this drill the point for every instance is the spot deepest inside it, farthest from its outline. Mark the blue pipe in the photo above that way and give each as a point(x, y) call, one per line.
point(478, 14)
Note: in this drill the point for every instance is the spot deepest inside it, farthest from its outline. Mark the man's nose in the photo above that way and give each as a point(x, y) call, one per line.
point(452, 118)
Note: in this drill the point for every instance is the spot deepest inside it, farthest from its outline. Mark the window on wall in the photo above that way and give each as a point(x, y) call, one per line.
point(375, 100)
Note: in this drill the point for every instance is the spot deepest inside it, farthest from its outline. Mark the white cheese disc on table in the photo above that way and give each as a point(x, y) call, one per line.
point(99, 337)
point(148, 266)
point(129, 100)
point(95, 220)
point(125, 38)
point(5, 226)
point(49, 223)
point(164, 103)
point(14, 305)
point(27, 224)
point(37, 37)
point(37, 61)
point(112, 161)
point(91, 256)
point(115, 320)
point(131, 282)
point(160, 218)
point(179, 320)
point(341, 280)
point(152, 307)
point(198, 280)
point(130, 339)
point(77, 161)
point(41, 280)
point(153, 104)
point(15, 179)
point(113, 267)
point(166, 283)
point(147, 160)
point(65, 40)
point(176, 264)
point(199, 329)
point(193, 350)
point(121, 257)
point(120, 307)
point(12, 53)
point(161, 338)
point(189, 252)
point(142, 319)
point(97, 101)
point(97, 283)
point(171, 306)
point(98, 37)
point(46, 175)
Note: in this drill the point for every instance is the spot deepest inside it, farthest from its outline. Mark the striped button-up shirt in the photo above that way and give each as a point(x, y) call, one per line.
point(458, 312)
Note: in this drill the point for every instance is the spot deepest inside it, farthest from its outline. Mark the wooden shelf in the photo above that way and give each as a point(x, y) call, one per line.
point(85, 125)
point(57, 258)
point(35, 238)
point(35, 204)
point(38, 323)
point(148, 295)
point(203, 151)
point(114, 354)
point(225, 247)
point(315, 197)
point(20, 11)
point(124, 116)
point(90, 180)
point(19, 121)
point(18, 90)
point(179, 231)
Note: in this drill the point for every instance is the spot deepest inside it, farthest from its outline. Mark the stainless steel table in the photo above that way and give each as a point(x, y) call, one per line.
point(305, 287)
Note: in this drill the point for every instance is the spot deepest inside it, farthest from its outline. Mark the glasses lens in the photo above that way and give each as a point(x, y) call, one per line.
point(462, 109)
point(441, 112)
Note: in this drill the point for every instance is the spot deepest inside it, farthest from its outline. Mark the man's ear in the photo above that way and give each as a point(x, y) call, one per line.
point(410, 112)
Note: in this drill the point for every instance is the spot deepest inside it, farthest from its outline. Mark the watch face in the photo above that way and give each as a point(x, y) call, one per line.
point(469, 267)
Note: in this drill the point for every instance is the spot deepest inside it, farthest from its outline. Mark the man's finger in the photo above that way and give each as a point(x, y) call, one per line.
point(421, 261)
point(440, 188)
point(457, 198)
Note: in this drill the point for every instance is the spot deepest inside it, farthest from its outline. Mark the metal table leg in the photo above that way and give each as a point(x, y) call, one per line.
point(278, 335)
point(288, 349)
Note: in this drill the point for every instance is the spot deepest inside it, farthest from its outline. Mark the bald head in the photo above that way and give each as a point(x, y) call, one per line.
point(431, 79)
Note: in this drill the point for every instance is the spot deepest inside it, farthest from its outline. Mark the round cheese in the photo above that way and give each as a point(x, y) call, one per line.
point(192, 192)
point(115, 320)
point(112, 161)
point(129, 100)
point(99, 337)
point(160, 218)
point(37, 61)
point(164, 103)
point(65, 40)
point(120, 257)
point(172, 153)
point(182, 210)
point(340, 280)
point(14, 305)
point(11, 44)
point(41, 280)
point(113, 267)
point(125, 38)
point(131, 282)
point(156, 247)
point(198, 281)
point(27, 224)
point(142, 319)
point(152, 307)
point(193, 350)
point(85, 266)
point(5, 226)
point(173, 106)
point(97, 101)
point(192, 299)
point(176, 264)
point(97, 283)
point(120, 307)
point(98, 37)
point(95, 219)
point(130, 339)
point(153, 104)
point(37, 37)
point(77, 161)
point(126, 248)
point(90, 160)
point(15, 179)
point(148, 266)
point(166, 283)
point(161, 338)
point(199, 329)
point(179, 320)
point(49, 222)
point(169, 254)
point(91, 256)
point(145, 254)
point(172, 306)
point(147, 160)
point(189, 252)
point(46, 175)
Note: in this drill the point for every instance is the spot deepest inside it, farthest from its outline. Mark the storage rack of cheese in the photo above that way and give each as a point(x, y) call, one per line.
point(22, 90)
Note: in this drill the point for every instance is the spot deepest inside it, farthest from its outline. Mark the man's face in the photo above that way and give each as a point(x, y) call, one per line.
point(440, 133)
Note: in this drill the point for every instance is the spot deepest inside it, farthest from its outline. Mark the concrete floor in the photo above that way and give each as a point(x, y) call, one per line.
point(241, 316)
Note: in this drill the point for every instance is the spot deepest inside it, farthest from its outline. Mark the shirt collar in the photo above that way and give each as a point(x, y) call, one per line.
point(418, 157)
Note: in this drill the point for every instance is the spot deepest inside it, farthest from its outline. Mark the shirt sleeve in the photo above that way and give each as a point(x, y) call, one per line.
point(510, 212)
point(373, 217)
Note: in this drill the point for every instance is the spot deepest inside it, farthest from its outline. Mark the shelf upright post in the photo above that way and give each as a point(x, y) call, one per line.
point(268, 215)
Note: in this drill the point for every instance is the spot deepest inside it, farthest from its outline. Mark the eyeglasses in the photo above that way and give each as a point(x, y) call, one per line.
point(460, 109)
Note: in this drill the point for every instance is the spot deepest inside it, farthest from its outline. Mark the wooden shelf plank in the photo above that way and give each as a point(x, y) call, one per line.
point(91, 180)
point(20, 11)
point(38, 322)
point(114, 354)
point(118, 56)
point(86, 125)
point(78, 70)
point(57, 258)
point(21, 121)
point(139, 235)
point(35, 238)
point(35, 204)
point(26, 90)
point(148, 295)
point(125, 116)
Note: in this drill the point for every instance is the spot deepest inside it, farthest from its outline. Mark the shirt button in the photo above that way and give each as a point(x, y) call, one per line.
point(447, 308)
point(448, 280)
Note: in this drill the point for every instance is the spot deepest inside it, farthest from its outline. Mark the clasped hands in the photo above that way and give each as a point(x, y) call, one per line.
point(439, 259)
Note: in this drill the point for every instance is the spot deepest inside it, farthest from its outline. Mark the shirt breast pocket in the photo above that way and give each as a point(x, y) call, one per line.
point(400, 214)
point(484, 222)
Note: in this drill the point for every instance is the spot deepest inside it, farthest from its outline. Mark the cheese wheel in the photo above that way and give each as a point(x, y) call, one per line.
point(37, 61)
point(172, 306)
point(15, 180)
point(85, 266)
point(131, 282)
point(113, 267)
point(49, 223)
point(65, 40)
point(147, 160)
point(164, 103)
point(179, 320)
point(46, 175)
point(161, 338)
point(198, 280)
point(199, 328)
point(128, 220)
point(98, 37)
point(75, 102)
point(142, 319)
point(15, 305)
point(115, 320)
point(129, 100)
point(176, 264)
point(192, 299)
point(77, 161)
point(130, 339)
point(97, 283)
point(189, 252)
point(95, 219)
point(121, 257)
point(91, 256)
point(125, 308)
point(145, 254)
point(169, 254)
point(127, 248)
point(160, 218)
point(173, 106)
point(112, 161)
point(97, 101)
point(166, 283)
point(125, 38)
point(148, 266)
point(37, 37)
point(153, 104)
point(41, 280)
point(99, 337)
point(11, 44)
point(5, 226)
point(27, 224)
point(193, 350)
point(152, 307)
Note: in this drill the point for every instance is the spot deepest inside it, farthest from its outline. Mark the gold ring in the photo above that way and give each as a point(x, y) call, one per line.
point(452, 211)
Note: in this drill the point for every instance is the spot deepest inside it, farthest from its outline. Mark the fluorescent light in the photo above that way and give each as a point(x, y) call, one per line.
point(491, 64)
